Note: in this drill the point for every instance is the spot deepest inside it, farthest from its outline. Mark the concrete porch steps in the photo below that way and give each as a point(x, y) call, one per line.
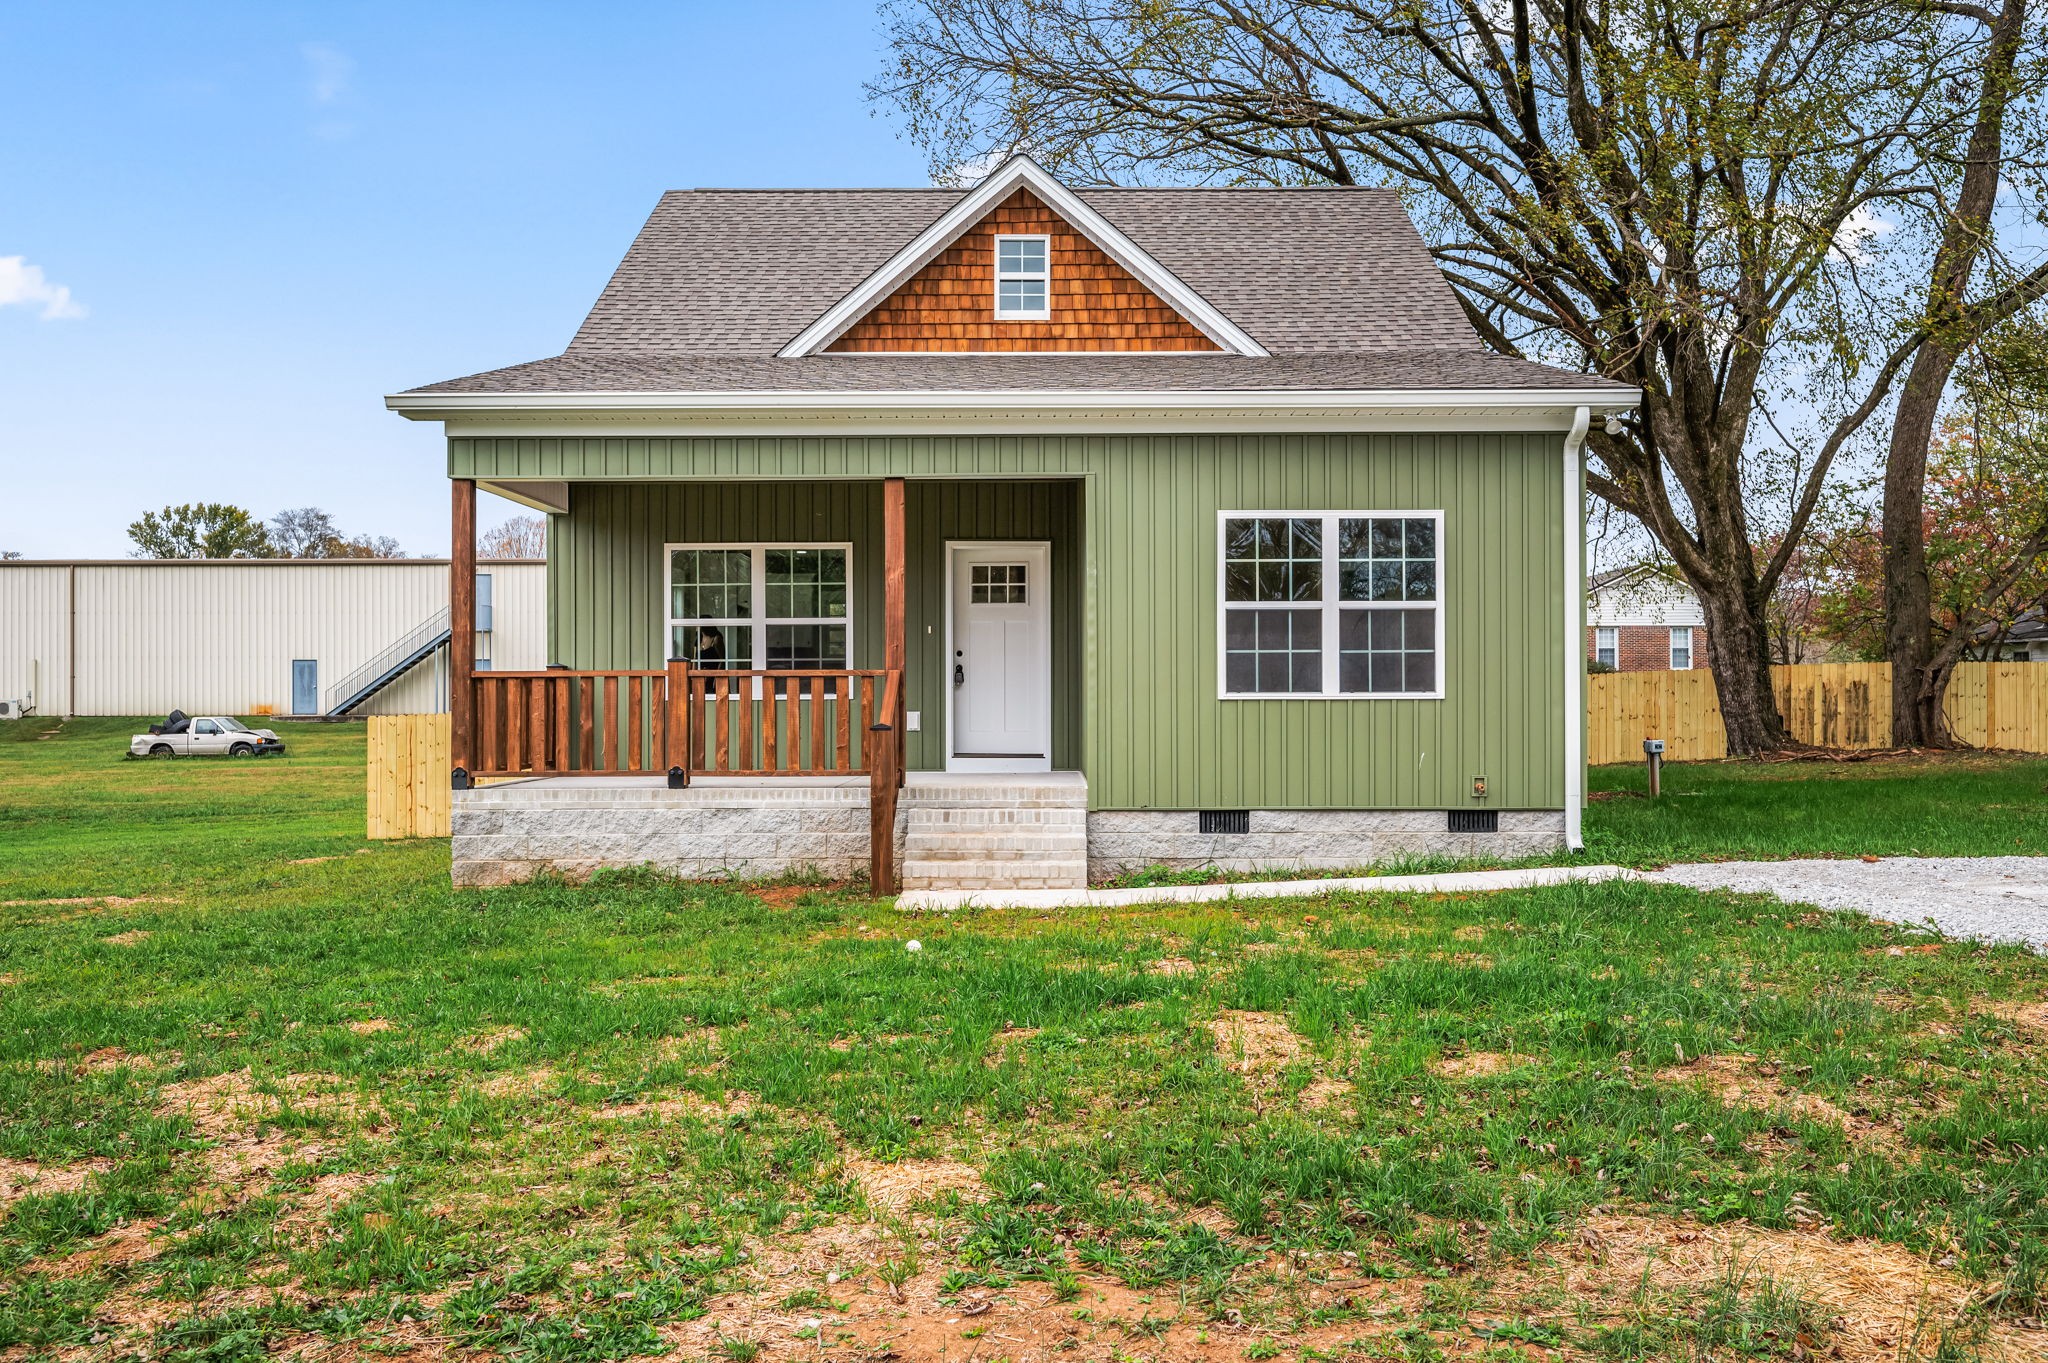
point(987, 832)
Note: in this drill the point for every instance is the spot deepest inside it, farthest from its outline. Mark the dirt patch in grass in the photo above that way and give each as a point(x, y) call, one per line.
point(1473, 1065)
point(1171, 965)
point(93, 901)
point(1875, 1291)
point(105, 1059)
point(788, 896)
point(1255, 1043)
point(896, 1186)
point(2033, 1016)
point(372, 1026)
point(126, 939)
point(483, 1043)
point(516, 1083)
point(1742, 1081)
point(1001, 1046)
point(25, 1178)
point(684, 1104)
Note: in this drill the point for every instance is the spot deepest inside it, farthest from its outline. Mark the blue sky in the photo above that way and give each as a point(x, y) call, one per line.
point(268, 216)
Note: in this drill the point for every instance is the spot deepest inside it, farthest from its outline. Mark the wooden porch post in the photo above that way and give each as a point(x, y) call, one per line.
point(895, 643)
point(462, 631)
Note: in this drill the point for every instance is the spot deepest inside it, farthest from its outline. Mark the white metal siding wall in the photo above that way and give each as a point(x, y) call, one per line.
point(35, 635)
point(223, 636)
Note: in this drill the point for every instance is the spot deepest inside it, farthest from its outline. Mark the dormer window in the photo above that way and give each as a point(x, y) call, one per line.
point(1023, 279)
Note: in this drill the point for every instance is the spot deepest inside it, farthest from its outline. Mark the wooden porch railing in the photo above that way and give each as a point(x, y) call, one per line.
point(681, 723)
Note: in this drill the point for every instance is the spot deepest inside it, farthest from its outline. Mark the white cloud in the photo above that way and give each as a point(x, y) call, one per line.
point(1859, 232)
point(328, 69)
point(25, 285)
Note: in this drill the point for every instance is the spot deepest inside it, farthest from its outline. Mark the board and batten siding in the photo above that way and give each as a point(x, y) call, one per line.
point(221, 636)
point(1152, 732)
point(608, 580)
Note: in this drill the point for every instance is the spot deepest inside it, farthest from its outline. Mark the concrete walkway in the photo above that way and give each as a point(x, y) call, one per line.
point(1463, 882)
point(1996, 899)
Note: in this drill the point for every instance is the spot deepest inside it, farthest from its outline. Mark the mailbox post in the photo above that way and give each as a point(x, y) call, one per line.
point(1653, 753)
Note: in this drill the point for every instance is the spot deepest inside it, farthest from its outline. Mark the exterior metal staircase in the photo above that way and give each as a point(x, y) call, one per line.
point(389, 665)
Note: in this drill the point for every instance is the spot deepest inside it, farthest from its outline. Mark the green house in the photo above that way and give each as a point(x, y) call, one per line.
point(1000, 538)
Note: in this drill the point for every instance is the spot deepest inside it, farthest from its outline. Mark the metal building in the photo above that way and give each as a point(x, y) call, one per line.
point(252, 636)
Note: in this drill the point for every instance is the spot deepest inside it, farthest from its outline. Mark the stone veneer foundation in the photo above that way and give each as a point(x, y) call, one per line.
point(512, 832)
point(1306, 839)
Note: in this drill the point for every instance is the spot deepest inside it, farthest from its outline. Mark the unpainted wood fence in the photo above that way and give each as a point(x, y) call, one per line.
point(1834, 705)
point(409, 776)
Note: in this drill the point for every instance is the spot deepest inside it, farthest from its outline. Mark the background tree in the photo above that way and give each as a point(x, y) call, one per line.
point(199, 530)
point(1657, 192)
point(9, 554)
point(309, 532)
point(1984, 528)
point(1972, 285)
point(515, 537)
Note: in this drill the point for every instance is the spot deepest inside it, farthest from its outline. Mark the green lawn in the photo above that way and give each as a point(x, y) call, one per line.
point(267, 1088)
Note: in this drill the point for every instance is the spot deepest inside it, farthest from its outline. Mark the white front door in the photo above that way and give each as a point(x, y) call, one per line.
point(999, 648)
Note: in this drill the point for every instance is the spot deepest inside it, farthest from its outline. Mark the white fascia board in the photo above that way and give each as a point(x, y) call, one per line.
point(1021, 172)
point(970, 403)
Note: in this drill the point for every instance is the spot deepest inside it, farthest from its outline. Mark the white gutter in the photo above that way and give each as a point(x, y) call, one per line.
point(1575, 635)
point(433, 406)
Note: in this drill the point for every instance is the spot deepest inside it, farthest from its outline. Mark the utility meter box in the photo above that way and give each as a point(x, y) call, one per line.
point(1653, 746)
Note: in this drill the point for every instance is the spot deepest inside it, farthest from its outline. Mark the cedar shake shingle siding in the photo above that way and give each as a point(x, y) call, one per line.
point(949, 305)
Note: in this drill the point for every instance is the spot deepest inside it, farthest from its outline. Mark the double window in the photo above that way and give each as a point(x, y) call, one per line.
point(1023, 279)
point(776, 608)
point(1333, 604)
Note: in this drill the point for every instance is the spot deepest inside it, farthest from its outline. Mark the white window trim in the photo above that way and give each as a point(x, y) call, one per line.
point(1671, 648)
point(1331, 606)
point(758, 622)
point(1043, 314)
point(1607, 639)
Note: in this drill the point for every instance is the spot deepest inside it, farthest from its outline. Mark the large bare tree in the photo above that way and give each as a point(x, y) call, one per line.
point(1665, 192)
point(1973, 285)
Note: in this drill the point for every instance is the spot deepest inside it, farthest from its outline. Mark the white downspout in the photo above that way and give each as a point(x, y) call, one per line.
point(1575, 635)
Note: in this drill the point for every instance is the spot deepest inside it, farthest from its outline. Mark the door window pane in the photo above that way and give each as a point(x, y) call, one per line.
point(996, 584)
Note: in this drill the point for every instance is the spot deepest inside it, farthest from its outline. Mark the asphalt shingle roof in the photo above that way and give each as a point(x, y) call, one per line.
point(600, 372)
point(1336, 283)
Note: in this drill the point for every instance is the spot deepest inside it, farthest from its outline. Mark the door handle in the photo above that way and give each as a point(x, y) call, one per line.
point(959, 675)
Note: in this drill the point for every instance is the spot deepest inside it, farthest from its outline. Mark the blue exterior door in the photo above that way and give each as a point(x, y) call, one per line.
point(306, 686)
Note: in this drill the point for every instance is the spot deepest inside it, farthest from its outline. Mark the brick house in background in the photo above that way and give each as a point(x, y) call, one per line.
point(1644, 619)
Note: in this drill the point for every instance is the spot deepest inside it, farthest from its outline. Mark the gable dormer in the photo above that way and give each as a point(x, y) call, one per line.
point(1021, 263)
point(1022, 279)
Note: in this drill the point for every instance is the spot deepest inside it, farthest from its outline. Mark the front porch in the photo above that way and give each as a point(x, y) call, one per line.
point(814, 639)
point(946, 830)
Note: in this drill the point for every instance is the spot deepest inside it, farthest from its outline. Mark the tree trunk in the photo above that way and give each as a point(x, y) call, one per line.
point(1739, 652)
point(1908, 596)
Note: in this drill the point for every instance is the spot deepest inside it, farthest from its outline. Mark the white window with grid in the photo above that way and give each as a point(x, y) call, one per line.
point(1607, 645)
point(774, 608)
point(1023, 278)
point(1343, 604)
point(1681, 648)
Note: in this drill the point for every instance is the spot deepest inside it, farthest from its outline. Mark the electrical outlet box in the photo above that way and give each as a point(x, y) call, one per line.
point(913, 720)
point(1479, 787)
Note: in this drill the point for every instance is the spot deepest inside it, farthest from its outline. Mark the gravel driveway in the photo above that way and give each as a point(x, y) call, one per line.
point(1998, 899)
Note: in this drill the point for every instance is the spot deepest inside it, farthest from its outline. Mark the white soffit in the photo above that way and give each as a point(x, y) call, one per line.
point(1021, 172)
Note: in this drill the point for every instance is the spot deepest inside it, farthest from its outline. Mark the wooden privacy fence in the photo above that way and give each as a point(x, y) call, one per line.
point(1834, 705)
point(408, 776)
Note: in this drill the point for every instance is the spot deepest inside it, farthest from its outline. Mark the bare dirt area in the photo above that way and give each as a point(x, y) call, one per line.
point(24, 1178)
point(1744, 1081)
point(1885, 1303)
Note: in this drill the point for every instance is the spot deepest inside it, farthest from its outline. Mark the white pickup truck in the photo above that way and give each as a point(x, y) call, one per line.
point(208, 736)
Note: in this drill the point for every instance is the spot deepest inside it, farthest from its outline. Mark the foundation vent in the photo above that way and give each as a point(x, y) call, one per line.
point(1226, 821)
point(1475, 821)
